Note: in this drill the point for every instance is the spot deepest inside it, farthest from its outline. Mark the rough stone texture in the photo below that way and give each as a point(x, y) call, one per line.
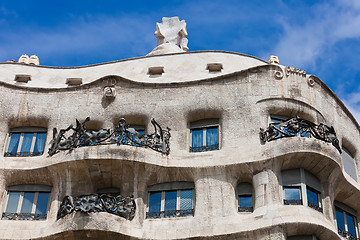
point(241, 96)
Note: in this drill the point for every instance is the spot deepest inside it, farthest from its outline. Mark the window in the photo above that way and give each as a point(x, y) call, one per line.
point(245, 197)
point(25, 142)
point(349, 163)
point(170, 200)
point(27, 202)
point(204, 135)
point(346, 221)
point(301, 188)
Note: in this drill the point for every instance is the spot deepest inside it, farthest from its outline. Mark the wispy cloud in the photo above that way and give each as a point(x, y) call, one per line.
point(100, 35)
point(328, 23)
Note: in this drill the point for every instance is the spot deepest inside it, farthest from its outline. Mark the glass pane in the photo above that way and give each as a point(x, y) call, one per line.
point(211, 136)
point(13, 202)
point(170, 200)
point(245, 201)
point(186, 198)
point(197, 138)
point(39, 144)
point(350, 224)
point(155, 202)
point(292, 193)
point(26, 144)
point(27, 202)
point(42, 203)
point(312, 197)
point(340, 220)
point(14, 143)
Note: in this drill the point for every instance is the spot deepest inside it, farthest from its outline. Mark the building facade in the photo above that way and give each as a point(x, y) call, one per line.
point(176, 145)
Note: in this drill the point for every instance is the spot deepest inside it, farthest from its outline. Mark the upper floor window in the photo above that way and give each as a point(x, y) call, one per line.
point(170, 200)
point(25, 142)
point(245, 197)
point(204, 135)
point(346, 221)
point(301, 188)
point(27, 202)
point(349, 163)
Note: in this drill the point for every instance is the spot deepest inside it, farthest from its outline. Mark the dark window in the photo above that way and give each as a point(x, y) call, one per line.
point(292, 196)
point(27, 204)
point(245, 197)
point(25, 142)
point(301, 188)
point(346, 223)
point(204, 135)
point(170, 203)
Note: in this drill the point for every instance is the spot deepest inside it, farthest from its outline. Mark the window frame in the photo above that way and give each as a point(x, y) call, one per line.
point(22, 189)
point(169, 187)
point(22, 131)
point(204, 124)
point(244, 189)
point(347, 153)
point(345, 210)
point(307, 181)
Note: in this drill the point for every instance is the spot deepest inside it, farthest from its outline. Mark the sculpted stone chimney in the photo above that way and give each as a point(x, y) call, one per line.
point(171, 35)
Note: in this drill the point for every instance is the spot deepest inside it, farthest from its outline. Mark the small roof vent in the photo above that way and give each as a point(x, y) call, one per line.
point(156, 71)
point(22, 78)
point(214, 67)
point(73, 81)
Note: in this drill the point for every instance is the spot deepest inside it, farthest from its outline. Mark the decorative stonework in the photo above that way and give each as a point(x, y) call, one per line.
point(273, 59)
point(71, 138)
point(293, 70)
point(122, 206)
point(299, 127)
point(109, 92)
point(172, 30)
point(171, 34)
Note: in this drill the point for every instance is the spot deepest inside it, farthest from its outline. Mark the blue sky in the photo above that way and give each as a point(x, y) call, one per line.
point(321, 37)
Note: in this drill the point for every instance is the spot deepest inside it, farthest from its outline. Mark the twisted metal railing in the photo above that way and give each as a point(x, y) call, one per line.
point(71, 138)
point(299, 127)
point(23, 216)
point(171, 213)
point(347, 235)
point(118, 205)
point(205, 148)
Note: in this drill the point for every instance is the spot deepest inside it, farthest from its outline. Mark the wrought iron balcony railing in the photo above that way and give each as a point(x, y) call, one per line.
point(245, 209)
point(23, 216)
point(75, 137)
point(23, 154)
point(347, 235)
point(316, 207)
point(299, 127)
point(172, 213)
point(292, 202)
point(205, 148)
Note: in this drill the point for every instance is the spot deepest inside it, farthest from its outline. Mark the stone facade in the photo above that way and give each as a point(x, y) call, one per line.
point(241, 96)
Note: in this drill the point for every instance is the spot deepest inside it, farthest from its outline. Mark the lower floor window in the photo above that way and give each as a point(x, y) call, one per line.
point(170, 203)
point(26, 205)
point(347, 224)
point(292, 196)
point(245, 203)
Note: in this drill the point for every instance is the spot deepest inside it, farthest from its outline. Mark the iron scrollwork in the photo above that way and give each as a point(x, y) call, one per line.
point(299, 127)
point(122, 206)
point(74, 137)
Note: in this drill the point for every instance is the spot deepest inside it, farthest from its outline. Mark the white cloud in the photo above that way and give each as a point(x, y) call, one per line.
point(328, 24)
